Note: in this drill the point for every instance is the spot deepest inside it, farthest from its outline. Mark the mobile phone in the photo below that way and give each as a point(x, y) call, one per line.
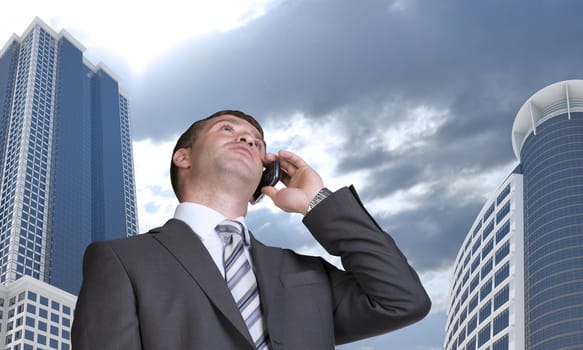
point(269, 178)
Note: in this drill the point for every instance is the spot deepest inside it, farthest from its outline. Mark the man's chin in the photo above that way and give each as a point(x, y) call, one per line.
point(244, 173)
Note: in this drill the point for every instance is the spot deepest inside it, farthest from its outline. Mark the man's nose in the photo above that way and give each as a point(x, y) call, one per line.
point(246, 138)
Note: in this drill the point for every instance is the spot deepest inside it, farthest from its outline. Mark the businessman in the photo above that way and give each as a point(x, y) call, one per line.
point(202, 281)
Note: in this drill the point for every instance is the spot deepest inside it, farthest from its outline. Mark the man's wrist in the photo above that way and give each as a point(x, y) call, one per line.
point(320, 196)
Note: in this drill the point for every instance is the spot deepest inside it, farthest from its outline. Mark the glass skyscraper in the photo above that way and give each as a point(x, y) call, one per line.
point(522, 288)
point(66, 168)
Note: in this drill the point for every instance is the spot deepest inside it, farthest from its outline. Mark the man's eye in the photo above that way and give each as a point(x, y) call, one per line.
point(227, 128)
point(258, 144)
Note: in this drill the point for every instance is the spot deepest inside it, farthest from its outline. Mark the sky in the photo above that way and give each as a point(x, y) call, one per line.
point(412, 102)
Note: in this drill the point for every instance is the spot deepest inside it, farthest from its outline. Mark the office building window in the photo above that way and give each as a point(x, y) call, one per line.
point(488, 247)
point(474, 283)
point(501, 297)
point(476, 246)
point(474, 302)
point(486, 268)
point(461, 337)
point(502, 232)
point(500, 322)
point(503, 194)
point(472, 324)
point(501, 274)
point(485, 311)
point(471, 344)
point(503, 212)
point(486, 289)
point(484, 335)
point(475, 264)
point(501, 344)
point(488, 229)
point(502, 252)
point(489, 212)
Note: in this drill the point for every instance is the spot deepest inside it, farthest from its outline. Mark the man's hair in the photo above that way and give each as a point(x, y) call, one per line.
point(188, 138)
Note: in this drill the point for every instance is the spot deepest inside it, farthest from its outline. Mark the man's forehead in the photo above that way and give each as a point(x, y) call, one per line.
point(233, 119)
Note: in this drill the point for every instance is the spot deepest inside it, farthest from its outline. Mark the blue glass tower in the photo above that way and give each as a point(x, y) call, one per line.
point(548, 140)
point(522, 287)
point(66, 169)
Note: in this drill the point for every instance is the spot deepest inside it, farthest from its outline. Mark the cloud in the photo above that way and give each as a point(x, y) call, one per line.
point(319, 59)
point(156, 200)
point(129, 42)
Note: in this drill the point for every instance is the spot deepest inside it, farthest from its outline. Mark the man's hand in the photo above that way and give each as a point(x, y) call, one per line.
point(301, 181)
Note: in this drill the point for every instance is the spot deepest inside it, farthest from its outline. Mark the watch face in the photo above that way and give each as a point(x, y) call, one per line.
point(320, 196)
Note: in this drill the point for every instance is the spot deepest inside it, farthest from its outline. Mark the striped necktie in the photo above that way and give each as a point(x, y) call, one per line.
point(241, 281)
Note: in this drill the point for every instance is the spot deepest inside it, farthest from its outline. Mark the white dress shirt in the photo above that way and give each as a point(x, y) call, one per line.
point(203, 220)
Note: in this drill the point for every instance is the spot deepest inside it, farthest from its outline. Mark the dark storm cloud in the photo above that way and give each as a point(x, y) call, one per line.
point(367, 66)
point(432, 234)
point(279, 229)
point(320, 56)
point(479, 61)
point(307, 56)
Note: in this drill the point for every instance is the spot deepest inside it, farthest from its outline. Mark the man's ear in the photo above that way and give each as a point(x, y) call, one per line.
point(181, 158)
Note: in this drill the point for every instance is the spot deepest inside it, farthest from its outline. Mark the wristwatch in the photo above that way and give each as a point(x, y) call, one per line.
point(320, 196)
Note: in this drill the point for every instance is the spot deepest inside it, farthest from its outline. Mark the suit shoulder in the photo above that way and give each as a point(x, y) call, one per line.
point(171, 225)
point(130, 240)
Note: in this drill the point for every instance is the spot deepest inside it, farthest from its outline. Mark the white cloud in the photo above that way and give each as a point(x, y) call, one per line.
point(314, 143)
point(317, 143)
point(318, 250)
point(137, 32)
point(400, 200)
point(156, 200)
point(400, 6)
point(467, 185)
point(470, 184)
point(436, 283)
point(422, 122)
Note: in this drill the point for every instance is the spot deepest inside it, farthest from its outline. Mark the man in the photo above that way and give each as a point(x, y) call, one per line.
point(172, 288)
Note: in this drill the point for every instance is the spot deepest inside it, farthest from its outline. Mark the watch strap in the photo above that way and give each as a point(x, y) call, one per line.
point(320, 196)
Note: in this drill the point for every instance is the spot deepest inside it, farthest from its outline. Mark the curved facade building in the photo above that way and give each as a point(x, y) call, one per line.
point(548, 138)
point(486, 309)
point(543, 307)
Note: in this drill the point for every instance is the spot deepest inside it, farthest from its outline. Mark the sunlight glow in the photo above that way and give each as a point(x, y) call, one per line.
point(137, 32)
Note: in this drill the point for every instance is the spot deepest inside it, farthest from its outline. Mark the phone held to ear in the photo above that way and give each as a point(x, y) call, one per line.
point(270, 177)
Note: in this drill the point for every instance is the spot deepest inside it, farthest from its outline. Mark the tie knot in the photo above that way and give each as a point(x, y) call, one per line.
point(229, 227)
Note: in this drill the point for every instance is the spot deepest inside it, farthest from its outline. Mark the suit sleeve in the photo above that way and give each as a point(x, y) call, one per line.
point(105, 314)
point(379, 291)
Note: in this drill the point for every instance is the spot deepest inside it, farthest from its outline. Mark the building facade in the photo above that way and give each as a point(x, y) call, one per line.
point(537, 285)
point(35, 315)
point(66, 169)
point(548, 140)
point(486, 309)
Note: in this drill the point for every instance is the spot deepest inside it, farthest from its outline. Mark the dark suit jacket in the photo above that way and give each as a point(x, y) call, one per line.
point(161, 290)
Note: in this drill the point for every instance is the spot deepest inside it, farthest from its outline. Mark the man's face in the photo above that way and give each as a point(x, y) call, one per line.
point(228, 145)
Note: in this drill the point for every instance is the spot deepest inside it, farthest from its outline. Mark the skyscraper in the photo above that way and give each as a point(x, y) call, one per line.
point(66, 168)
point(522, 287)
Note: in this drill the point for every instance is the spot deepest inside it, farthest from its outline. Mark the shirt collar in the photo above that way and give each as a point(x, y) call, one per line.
point(203, 220)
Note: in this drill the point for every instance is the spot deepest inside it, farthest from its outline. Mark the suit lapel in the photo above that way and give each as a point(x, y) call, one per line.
point(185, 246)
point(267, 262)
